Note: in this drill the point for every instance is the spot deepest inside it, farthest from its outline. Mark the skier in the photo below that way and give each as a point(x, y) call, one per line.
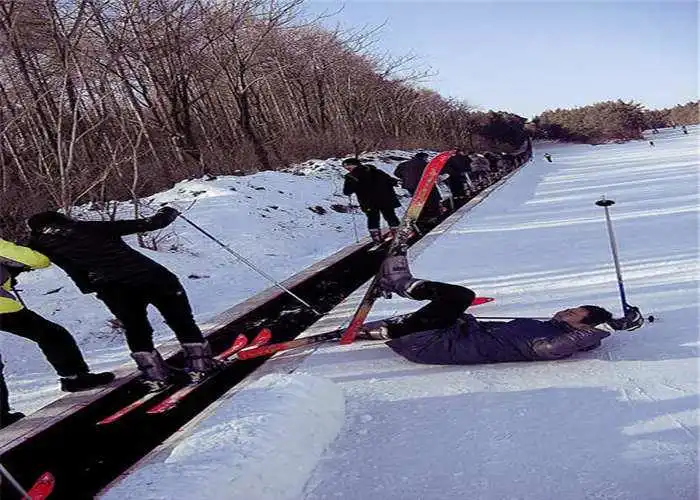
point(651, 143)
point(685, 130)
point(375, 193)
point(439, 333)
point(410, 173)
point(56, 343)
point(457, 169)
point(548, 157)
point(94, 255)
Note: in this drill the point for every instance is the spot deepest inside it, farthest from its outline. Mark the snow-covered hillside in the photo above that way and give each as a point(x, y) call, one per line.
point(617, 422)
point(266, 217)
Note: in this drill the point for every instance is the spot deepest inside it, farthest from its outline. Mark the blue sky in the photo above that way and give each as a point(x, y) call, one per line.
point(525, 57)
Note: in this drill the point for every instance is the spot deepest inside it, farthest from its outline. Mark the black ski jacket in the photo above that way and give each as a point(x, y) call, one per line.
point(410, 173)
point(373, 187)
point(93, 254)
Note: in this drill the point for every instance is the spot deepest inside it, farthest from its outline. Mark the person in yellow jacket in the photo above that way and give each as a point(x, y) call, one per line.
point(55, 342)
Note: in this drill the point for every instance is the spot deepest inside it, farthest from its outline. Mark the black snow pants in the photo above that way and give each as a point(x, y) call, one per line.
point(55, 342)
point(129, 305)
point(447, 304)
point(387, 212)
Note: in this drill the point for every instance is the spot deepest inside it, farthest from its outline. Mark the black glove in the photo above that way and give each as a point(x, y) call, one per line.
point(632, 320)
point(167, 215)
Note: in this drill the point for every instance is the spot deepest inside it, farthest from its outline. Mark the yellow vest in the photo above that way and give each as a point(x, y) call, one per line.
point(12, 255)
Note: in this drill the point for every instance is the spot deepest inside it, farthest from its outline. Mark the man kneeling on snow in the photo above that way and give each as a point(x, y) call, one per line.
point(440, 332)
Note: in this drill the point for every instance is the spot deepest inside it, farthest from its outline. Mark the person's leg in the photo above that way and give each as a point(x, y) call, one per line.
point(390, 217)
point(57, 344)
point(447, 303)
point(171, 301)
point(373, 224)
point(129, 306)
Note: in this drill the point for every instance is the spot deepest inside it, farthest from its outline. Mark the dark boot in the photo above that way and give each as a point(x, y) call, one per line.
point(199, 361)
point(154, 372)
point(376, 235)
point(10, 418)
point(85, 381)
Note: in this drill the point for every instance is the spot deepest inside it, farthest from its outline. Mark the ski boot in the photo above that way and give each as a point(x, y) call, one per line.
point(85, 381)
point(396, 277)
point(376, 235)
point(156, 375)
point(199, 361)
point(380, 332)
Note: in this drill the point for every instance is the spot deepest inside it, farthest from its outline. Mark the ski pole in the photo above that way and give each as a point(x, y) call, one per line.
point(19, 297)
point(354, 224)
point(6, 474)
point(248, 263)
point(613, 247)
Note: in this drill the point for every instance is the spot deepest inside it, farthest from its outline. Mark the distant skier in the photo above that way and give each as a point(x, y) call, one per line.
point(440, 333)
point(94, 255)
point(685, 130)
point(55, 342)
point(651, 143)
point(457, 169)
point(548, 157)
point(410, 173)
point(375, 193)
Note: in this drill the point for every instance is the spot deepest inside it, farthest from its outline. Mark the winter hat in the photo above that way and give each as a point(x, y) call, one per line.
point(38, 221)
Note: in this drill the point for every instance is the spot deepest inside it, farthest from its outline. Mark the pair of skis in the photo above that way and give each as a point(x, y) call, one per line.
point(226, 358)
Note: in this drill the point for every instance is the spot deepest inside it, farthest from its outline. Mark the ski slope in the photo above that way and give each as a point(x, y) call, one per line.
point(619, 422)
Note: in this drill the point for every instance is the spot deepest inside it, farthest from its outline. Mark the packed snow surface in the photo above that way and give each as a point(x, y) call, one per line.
point(619, 422)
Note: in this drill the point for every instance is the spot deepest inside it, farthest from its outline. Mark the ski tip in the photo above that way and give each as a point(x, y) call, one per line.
point(482, 300)
point(43, 487)
point(263, 336)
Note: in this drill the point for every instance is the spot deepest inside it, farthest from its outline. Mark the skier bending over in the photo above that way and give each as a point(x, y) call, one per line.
point(440, 333)
point(94, 255)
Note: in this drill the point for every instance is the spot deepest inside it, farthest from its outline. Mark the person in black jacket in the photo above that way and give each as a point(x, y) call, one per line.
point(375, 193)
point(410, 173)
point(457, 169)
point(96, 258)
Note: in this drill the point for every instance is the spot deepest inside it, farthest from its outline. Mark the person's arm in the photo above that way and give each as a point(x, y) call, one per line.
point(568, 343)
point(349, 185)
point(16, 256)
point(164, 217)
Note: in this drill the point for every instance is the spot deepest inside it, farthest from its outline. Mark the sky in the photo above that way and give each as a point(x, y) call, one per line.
point(526, 57)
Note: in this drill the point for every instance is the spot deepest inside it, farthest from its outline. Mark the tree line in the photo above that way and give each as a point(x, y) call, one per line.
point(104, 100)
point(608, 121)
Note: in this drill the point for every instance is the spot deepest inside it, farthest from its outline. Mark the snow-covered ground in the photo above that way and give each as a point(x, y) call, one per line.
point(617, 422)
point(265, 217)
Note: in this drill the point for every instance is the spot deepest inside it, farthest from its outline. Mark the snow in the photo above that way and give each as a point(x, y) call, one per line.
point(617, 422)
point(236, 448)
point(264, 217)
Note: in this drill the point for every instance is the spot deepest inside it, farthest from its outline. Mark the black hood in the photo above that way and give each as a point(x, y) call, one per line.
point(38, 221)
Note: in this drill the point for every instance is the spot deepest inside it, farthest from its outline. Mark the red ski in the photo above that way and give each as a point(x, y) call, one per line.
point(43, 487)
point(239, 343)
point(268, 350)
point(226, 357)
point(420, 197)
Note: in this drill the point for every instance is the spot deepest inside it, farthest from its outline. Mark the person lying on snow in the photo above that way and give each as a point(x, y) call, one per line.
point(440, 333)
point(96, 258)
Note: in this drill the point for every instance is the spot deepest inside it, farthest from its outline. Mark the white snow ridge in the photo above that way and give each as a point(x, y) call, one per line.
point(263, 445)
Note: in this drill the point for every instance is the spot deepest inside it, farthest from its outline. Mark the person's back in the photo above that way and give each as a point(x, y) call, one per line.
point(411, 171)
point(93, 254)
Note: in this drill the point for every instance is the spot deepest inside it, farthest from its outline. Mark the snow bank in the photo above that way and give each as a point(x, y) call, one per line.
point(263, 443)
